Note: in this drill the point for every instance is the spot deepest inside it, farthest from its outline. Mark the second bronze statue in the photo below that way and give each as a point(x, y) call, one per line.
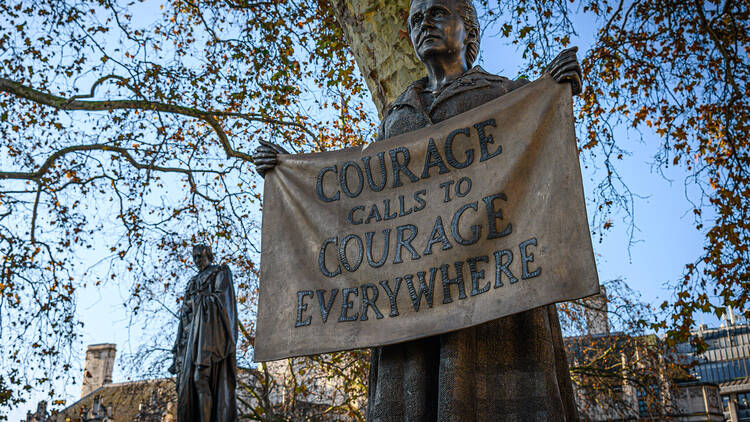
point(204, 350)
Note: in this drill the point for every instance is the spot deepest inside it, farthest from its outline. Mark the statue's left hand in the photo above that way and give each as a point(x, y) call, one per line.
point(264, 157)
point(565, 68)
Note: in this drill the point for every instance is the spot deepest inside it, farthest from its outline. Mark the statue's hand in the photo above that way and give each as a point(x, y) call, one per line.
point(264, 157)
point(565, 68)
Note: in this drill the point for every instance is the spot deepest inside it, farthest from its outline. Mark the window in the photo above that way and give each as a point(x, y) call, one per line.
point(642, 399)
point(642, 408)
point(743, 401)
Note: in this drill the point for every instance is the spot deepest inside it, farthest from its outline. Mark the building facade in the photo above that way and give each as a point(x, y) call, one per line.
point(289, 389)
point(716, 387)
point(725, 362)
point(620, 377)
point(104, 401)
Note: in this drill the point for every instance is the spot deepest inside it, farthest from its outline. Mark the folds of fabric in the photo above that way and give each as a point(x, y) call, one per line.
point(206, 386)
point(510, 369)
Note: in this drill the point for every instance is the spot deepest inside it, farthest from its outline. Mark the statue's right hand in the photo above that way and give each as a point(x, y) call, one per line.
point(264, 157)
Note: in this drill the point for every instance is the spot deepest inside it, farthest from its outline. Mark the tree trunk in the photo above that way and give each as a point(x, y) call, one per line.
point(376, 32)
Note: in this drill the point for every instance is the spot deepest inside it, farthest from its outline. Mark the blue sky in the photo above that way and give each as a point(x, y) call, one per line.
point(666, 238)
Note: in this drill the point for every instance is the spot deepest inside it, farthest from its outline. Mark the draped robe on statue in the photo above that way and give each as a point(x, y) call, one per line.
point(510, 369)
point(205, 348)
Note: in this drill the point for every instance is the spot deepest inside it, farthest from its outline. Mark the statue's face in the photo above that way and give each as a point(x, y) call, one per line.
point(436, 29)
point(201, 258)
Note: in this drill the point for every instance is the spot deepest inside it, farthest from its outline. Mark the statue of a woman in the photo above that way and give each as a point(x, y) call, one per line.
point(510, 369)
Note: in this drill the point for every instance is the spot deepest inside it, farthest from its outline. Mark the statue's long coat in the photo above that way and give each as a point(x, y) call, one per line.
point(207, 339)
point(510, 369)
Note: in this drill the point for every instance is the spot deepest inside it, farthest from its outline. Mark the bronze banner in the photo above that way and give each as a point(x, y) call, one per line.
point(475, 218)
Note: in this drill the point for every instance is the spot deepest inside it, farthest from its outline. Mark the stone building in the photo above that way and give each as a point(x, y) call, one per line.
point(644, 385)
point(622, 397)
point(100, 362)
point(717, 387)
point(697, 401)
point(273, 390)
point(725, 362)
point(104, 401)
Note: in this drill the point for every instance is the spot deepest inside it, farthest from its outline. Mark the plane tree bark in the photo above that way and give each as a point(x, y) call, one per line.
point(376, 33)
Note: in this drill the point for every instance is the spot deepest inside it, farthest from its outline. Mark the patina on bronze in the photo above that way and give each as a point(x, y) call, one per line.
point(204, 350)
point(510, 369)
point(446, 227)
point(513, 368)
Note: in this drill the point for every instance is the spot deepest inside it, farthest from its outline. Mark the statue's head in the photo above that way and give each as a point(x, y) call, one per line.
point(444, 27)
point(202, 256)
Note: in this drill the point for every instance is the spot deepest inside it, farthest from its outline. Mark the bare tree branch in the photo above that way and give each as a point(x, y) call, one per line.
point(73, 104)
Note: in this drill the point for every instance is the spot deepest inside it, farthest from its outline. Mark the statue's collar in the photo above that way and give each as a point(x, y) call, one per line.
point(474, 78)
point(208, 271)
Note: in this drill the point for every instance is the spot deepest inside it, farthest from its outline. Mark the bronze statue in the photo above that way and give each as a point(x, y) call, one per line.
point(510, 369)
point(204, 350)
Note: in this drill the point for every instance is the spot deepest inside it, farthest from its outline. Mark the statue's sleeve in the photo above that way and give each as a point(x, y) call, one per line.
point(216, 319)
point(225, 285)
point(381, 127)
point(177, 349)
point(176, 346)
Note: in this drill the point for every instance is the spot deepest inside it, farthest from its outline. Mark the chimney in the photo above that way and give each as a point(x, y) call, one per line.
point(597, 320)
point(41, 414)
point(100, 361)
